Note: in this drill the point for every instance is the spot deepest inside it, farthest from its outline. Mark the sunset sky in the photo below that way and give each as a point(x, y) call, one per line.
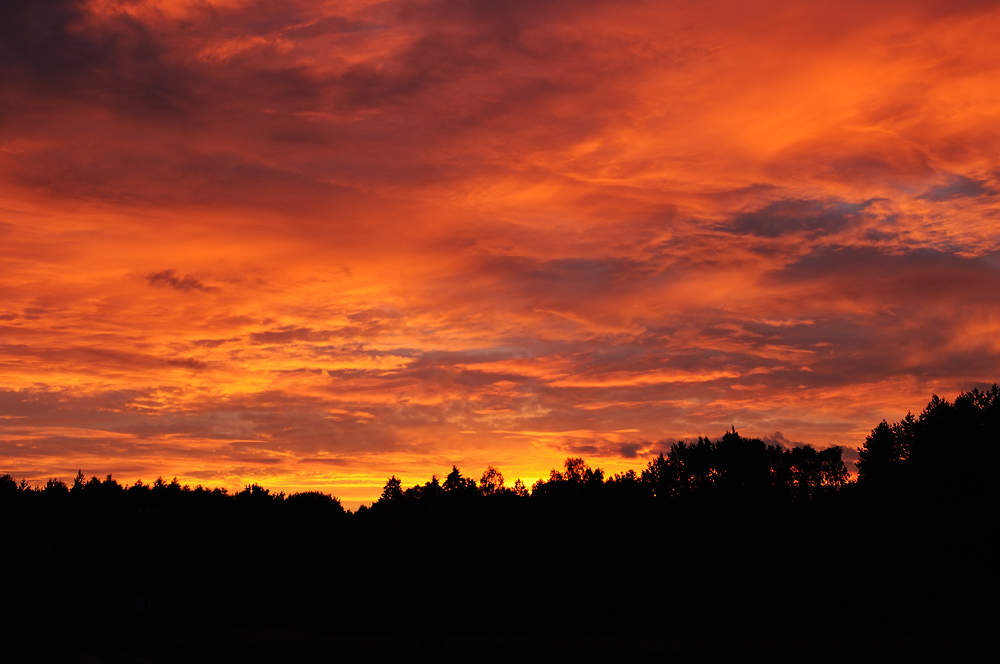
point(314, 244)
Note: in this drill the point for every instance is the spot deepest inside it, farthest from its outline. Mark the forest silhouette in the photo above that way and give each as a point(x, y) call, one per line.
point(732, 536)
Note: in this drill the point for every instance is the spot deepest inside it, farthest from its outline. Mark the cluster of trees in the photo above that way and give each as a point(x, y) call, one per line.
point(952, 446)
point(110, 496)
point(455, 484)
point(950, 450)
point(737, 465)
point(728, 534)
point(731, 467)
point(705, 469)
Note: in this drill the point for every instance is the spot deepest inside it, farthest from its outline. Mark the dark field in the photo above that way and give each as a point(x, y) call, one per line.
point(256, 646)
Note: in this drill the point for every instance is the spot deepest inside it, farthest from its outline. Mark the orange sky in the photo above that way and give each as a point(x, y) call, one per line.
point(312, 244)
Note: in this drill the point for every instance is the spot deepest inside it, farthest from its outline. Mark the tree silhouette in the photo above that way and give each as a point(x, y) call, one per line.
point(491, 483)
point(575, 470)
point(738, 467)
point(8, 486)
point(314, 505)
point(950, 451)
point(392, 491)
point(833, 472)
point(883, 456)
point(455, 484)
point(432, 489)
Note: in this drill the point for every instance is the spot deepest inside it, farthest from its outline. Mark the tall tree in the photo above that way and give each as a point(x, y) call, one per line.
point(392, 491)
point(491, 483)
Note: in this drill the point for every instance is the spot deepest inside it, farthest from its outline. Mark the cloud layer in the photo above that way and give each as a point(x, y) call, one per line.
point(316, 245)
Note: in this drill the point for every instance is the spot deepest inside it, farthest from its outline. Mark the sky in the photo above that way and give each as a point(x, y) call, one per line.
point(315, 244)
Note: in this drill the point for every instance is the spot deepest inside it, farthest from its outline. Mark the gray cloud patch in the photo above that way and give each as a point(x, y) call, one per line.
point(58, 48)
point(213, 343)
point(630, 450)
point(287, 334)
point(958, 186)
point(169, 279)
point(187, 363)
point(915, 276)
point(779, 439)
point(791, 216)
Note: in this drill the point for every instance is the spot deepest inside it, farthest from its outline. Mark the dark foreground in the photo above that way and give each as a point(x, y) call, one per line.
point(719, 551)
point(823, 581)
point(267, 646)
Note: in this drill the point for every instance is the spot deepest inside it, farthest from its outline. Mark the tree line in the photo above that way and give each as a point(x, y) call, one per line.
point(730, 466)
point(917, 451)
point(730, 535)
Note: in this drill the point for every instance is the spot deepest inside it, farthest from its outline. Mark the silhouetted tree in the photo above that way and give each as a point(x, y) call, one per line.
point(832, 469)
point(575, 470)
point(79, 482)
point(392, 491)
point(577, 480)
point(950, 452)
point(314, 504)
point(735, 466)
point(882, 458)
point(491, 483)
point(626, 488)
point(805, 472)
point(432, 489)
point(745, 466)
point(454, 483)
point(8, 487)
point(685, 470)
point(252, 500)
